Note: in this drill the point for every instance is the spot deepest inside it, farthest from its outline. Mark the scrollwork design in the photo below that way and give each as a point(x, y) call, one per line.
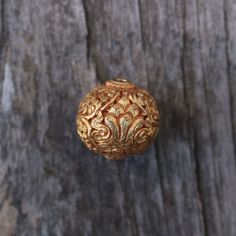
point(117, 121)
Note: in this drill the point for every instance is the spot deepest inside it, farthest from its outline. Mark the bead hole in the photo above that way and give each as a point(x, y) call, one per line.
point(121, 80)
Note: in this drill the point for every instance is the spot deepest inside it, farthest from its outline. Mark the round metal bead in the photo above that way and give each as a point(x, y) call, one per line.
point(117, 119)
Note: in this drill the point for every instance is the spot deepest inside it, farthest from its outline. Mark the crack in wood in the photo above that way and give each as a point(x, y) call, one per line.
point(89, 30)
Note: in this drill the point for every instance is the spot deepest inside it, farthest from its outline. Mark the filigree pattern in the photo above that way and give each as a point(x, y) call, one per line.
point(117, 119)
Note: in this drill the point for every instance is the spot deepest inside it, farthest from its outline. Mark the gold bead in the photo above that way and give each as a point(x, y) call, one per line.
point(117, 119)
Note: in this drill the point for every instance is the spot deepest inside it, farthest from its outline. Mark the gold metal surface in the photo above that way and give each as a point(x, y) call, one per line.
point(117, 119)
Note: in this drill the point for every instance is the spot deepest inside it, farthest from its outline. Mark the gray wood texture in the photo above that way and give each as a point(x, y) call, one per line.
point(53, 52)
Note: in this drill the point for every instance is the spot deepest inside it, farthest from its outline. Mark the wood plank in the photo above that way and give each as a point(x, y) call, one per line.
point(53, 52)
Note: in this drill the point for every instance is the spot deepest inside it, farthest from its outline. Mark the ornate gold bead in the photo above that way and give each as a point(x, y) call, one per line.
point(117, 119)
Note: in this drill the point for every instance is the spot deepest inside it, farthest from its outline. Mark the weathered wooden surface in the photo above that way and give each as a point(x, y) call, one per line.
point(53, 52)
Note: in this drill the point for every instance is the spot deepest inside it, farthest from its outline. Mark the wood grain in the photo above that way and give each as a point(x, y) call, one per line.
point(53, 52)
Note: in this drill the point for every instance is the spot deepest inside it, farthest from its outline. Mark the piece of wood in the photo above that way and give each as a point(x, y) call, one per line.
point(53, 52)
